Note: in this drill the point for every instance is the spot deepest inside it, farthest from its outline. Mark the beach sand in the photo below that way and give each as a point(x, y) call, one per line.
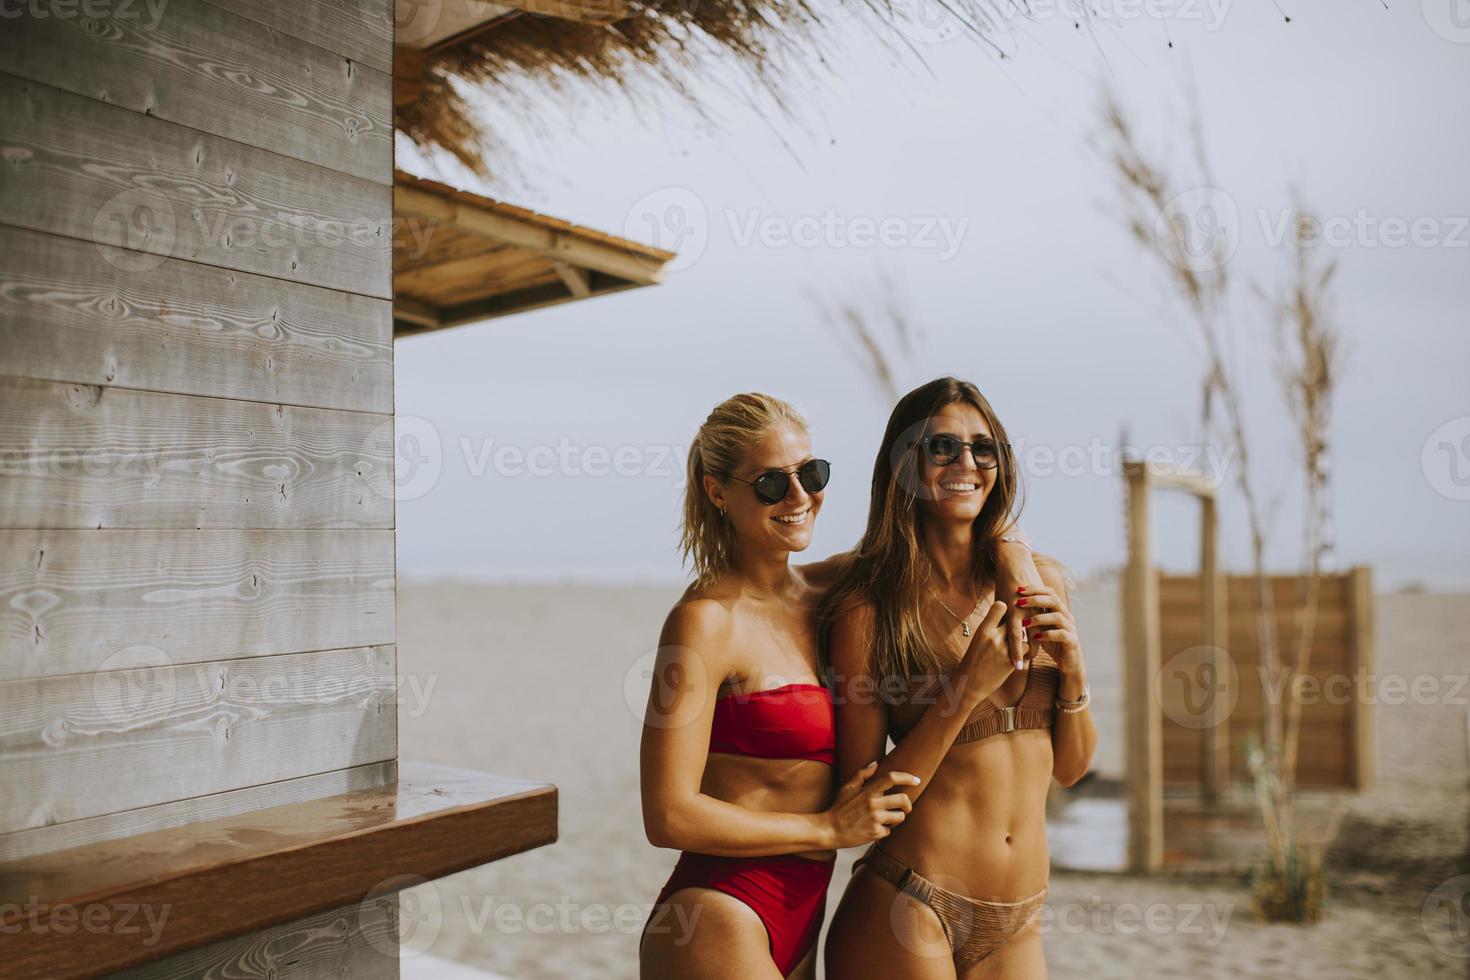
point(548, 683)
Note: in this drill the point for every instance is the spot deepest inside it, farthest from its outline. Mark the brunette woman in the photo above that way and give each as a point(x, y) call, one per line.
point(957, 890)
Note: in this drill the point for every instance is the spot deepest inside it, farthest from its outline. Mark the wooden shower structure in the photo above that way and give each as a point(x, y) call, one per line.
point(1142, 643)
point(1192, 678)
point(201, 284)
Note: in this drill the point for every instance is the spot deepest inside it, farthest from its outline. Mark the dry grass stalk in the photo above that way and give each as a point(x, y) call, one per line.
point(1309, 349)
point(1203, 284)
point(883, 345)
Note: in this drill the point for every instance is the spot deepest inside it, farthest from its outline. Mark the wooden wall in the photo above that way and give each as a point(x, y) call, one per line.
point(196, 413)
point(1336, 747)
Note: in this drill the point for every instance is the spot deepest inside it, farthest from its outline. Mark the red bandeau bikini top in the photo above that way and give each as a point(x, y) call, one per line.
point(794, 721)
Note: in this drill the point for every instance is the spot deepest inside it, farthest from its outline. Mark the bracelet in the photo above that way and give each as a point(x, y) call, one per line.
point(1072, 707)
point(1014, 540)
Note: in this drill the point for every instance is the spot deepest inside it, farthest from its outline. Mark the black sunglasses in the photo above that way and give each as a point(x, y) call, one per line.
point(772, 486)
point(944, 448)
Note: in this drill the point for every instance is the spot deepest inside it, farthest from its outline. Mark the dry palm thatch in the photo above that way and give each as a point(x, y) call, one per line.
point(663, 43)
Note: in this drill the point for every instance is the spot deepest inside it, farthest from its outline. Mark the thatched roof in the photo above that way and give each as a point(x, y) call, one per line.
point(624, 43)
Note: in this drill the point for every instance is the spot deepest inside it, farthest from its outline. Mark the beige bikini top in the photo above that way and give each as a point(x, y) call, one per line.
point(1035, 709)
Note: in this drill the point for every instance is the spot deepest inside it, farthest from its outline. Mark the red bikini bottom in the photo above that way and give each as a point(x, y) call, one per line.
point(789, 893)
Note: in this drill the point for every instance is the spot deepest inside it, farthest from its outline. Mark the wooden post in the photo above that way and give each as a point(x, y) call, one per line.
point(1143, 715)
point(1360, 613)
point(1215, 741)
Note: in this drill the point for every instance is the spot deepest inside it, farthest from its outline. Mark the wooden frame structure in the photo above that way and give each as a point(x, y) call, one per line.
point(460, 257)
point(1142, 654)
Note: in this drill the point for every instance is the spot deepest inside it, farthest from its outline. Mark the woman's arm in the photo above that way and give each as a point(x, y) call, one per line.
point(687, 675)
point(1015, 566)
point(1049, 615)
point(862, 716)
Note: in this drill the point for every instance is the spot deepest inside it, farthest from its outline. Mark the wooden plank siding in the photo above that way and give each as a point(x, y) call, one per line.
point(76, 599)
point(196, 415)
point(359, 29)
point(98, 457)
point(1329, 752)
point(103, 173)
point(357, 941)
point(206, 68)
point(76, 745)
point(68, 314)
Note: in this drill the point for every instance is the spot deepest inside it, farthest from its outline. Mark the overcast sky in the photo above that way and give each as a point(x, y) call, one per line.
point(973, 187)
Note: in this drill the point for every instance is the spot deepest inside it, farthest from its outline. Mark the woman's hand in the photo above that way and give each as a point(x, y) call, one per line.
point(1048, 620)
point(1015, 567)
point(863, 812)
point(987, 661)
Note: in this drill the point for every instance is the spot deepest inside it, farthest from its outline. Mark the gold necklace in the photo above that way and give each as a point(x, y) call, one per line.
point(964, 623)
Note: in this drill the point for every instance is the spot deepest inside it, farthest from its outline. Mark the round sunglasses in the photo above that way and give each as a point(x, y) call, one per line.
point(944, 448)
point(772, 486)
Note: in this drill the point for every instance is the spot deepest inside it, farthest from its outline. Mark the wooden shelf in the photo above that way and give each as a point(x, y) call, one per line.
point(62, 914)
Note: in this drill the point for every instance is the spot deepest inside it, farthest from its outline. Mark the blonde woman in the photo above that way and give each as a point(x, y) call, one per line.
point(956, 891)
point(738, 738)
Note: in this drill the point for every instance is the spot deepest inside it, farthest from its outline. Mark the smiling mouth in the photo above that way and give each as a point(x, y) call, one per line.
point(960, 487)
point(793, 520)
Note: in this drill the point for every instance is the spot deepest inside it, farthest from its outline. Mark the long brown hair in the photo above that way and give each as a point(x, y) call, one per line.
point(889, 567)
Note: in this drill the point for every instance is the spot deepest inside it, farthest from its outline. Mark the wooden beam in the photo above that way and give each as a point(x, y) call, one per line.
point(1215, 745)
point(506, 304)
point(585, 11)
point(575, 278)
point(537, 297)
point(408, 75)
point(1141, 708)
point(1164, 478)
point(523, 233)
point(416, 311)
point(1360, 605)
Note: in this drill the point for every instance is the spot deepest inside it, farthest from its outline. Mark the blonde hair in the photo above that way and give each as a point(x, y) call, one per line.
point(732, 429)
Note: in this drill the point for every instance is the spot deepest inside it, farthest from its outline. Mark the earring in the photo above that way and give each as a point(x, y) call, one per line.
point(723, 514)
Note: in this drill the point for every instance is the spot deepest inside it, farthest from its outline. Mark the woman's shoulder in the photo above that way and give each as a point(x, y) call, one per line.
point(822, 575)
point(1054, 573)
point(699, 614)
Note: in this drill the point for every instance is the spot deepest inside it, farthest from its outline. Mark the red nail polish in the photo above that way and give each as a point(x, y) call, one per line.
point(1020, 588)
point(1025, 622)
point(1020, 602)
